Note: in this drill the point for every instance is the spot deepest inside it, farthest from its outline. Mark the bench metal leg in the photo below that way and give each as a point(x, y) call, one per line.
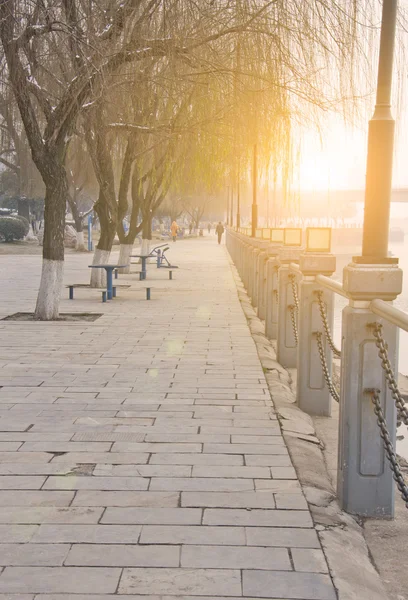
point(170, 274)
point(104, 295)
point(116, 273)
point(114, 291)
point(147, 293)
point(71, 292)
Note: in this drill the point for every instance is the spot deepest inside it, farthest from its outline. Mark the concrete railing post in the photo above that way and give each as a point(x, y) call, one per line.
point(286, 350)
point(272, 304)
point(262, 283)
point(313, 395)
point(365, 482)
point(252, 269)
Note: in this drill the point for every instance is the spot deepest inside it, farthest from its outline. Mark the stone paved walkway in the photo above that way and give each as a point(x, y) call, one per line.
point(140, 454)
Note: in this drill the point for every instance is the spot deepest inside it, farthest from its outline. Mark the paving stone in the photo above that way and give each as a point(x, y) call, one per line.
point(309, 560)
point(151, 447)
point(35, 498)
point(142, 470)
point(270, 518)
point(268, 460)
point(20, 483)
point(201, 483)
point(231, 472)
point(181, 581)
point(189, 534)
point(97, 498)
point(289, 501)
point(235, 557)
point(277, 485)
point(30, 555)
point(25, 457)
point(197, 459)
point(112, 458)
point(245, 448)
point(16, 534)
point(87, 534)
point(48, 514)
point(279, 536)
point(153, 516)
point(304, 586)
point(71, 482)
point(228, 499)
point(36, 468)
point(102, 555)
point(72, 580)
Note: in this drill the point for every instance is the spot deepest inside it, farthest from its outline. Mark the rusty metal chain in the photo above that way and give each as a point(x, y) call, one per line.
point(292, 310)
point(325, 322)
point(388, 446)
point(292, 278)
point(333, 392)
point(392, 383)
point(276, 295)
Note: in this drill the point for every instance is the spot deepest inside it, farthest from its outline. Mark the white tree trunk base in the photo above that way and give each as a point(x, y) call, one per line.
point(49, 294)
point(80, 242)
point(124, 257)
point(145, 248)
point(98, 276)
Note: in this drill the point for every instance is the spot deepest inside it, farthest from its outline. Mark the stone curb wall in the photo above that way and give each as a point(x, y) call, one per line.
point(341, 535)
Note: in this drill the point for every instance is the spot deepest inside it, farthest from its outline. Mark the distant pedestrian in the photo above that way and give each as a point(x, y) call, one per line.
point(174, 230)
point(209, 227)
point(219, 231)
point(190, 229)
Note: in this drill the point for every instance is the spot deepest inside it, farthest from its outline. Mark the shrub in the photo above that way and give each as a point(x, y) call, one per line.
point(11, 229)
point(25, 223)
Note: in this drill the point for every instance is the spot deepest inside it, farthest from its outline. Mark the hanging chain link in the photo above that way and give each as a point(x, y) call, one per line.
point(392, 383)
point(292, 310)
point(333, 392)
point(388, 446)
point(325, 322)
point(276, 295)
point(292, 278)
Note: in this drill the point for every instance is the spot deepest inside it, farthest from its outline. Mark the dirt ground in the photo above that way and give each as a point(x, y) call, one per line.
point(26, 248)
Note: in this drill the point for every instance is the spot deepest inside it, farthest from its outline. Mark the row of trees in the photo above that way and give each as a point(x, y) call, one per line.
point(144, 101)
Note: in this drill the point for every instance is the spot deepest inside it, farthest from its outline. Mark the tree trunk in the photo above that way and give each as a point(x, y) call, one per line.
point(23, 208)
point(104, 247)
point(124, 257)
point(80, 245)
point(146, 233)
point(49, 294)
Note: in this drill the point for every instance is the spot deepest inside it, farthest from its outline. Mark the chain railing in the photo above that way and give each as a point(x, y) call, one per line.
point(293, 318)
point(331, 387)
point(388, 445)
point(325, 322)
point(389, 373)
point(294, 308)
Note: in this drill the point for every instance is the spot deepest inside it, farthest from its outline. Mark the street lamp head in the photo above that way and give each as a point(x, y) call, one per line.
point(292, 236)
point(318, 239)
point(277, 235)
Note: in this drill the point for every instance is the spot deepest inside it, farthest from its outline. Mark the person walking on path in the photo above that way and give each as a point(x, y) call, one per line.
point(209, 227)
point(174, 230)
point(219, 231)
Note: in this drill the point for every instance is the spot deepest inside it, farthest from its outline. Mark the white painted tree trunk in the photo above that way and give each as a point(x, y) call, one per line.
point(124, 257)
point(98, 276)
point(49, 294)
point(80, 241)
point(145, 247)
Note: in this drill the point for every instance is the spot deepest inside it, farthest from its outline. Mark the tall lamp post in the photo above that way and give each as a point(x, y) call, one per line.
point(364, 482)
point(380, 149)
point(254, 191)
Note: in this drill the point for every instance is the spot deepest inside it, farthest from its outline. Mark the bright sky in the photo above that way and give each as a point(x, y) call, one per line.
point(340, 163)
